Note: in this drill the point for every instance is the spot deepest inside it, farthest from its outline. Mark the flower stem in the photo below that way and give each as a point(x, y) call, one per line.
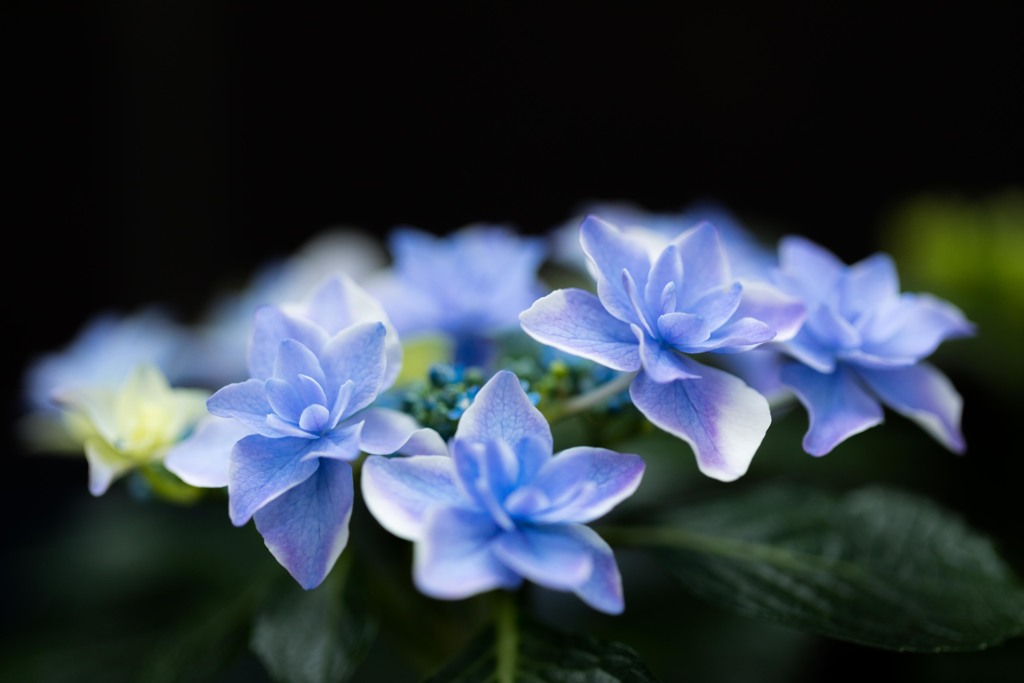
point(591, 399)
point(506, 637)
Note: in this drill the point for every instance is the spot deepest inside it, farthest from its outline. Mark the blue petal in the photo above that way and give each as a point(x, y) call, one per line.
point(781, 312)
point(341, 303)
point(705, 264)
point(399, 491)
point(661, 364)
point(808, 269)
point(576, 322)
point(924, 395)
point(867, 285)
point(271, 327)
point(667, 272)
point(721, 418)
point(314, 418)
point(357, 353)
point(603, 590)
point(683, 329)
point(717, 305)
point(502, 411)
point(261, 470)
point(307, 528)
point(599, 479)
point(837, 405)
point(548, 556)
point(915, 328)
point(340, 443)
point(611, 252)
point(293, 359)
point(388, 431)
point(486, 473)
point(245, 401)
point(203, 459)
point(737, 336)
point(455, 559)
point(284, 399)
point(806, 348)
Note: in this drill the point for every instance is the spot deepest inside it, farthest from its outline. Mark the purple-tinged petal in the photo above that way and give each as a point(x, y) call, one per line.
point(705, 264)
point(339, 303)
point(811, 270)
point(246, 402)
point(761, 369)
point(667, 272)
point(204, 457)
point(486, 472)
point(867, 360)
point(548, 556)
point(661, 364)
point(314, 418)
point(781, 312)
point(262, 469)
point(868, 284)
point(806, 348)
point(340, 443)
point(574, 321)
point(295, 358)
point(306, 528)
point(921, 323)
point(387, 431)
point(271, 327)
point(610, 251)
point(681, 329)
point(611, 477)
point(399, 491)
point(454, 558)
point(641, 314)
point(279, 427)
point(837, 405)
point(603, 590)
point(284, 399)
point(737, 336)
point(341, 401)
point(721, 418)
point(357, 353)
point(923, 394)
point(831, 329)
point(502, 411)
point(717, 305)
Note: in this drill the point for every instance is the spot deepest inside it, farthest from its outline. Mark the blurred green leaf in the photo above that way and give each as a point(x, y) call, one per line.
point(535, 653)
point(877, 567)
point(317, 636)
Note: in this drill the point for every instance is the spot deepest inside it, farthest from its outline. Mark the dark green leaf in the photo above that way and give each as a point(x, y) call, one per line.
point(876, 567)
point(317, 636)
point(538, 654)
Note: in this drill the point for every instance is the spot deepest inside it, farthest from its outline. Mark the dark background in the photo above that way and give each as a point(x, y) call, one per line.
point(157, 149)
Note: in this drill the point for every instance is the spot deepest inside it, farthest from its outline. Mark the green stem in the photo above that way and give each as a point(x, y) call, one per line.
point(506, 636)
point(591, 399)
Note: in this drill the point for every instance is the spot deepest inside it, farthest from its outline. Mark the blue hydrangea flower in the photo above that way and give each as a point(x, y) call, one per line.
point(651, 315)
point(306, 413)
point(501, 508)
point(468, 286)
point(862, 346)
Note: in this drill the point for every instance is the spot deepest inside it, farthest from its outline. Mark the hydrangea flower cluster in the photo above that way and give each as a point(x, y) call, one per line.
point(689, 325)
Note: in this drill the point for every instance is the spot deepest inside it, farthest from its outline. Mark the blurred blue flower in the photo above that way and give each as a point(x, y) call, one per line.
point(468, 286)
point(862, 346)
point(315, 369)
point(501, 508)
point(650, 315)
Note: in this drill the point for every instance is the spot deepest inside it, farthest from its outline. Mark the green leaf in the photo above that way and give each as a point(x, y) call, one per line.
point(876, 566)
point(317, 636)
point(529, 652)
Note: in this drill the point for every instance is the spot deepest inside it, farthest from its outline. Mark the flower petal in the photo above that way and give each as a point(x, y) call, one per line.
point(262, 469)
point(836, 403)
point(548, 556)
point(356, 353)
point(705, 264)
point(806, 348)
point(721, 418)
point(306, 528)
point(340, 443)
point(739, 335)
point(295, 358)
point(667, 272)
point(454, 558)
point(387, 431)
point(808, 269)
point(920, 323)
point(246, 402)
point(203, 459)
point(271, 326)
point(923, 394)
point(661, 364)
point(502, 411)
point(781, 312)
point(610, 251)
point(576, 322)
point(611, 477)
point(399, 491)
point(603, 590)
point(868, 284)
point(105, 465)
